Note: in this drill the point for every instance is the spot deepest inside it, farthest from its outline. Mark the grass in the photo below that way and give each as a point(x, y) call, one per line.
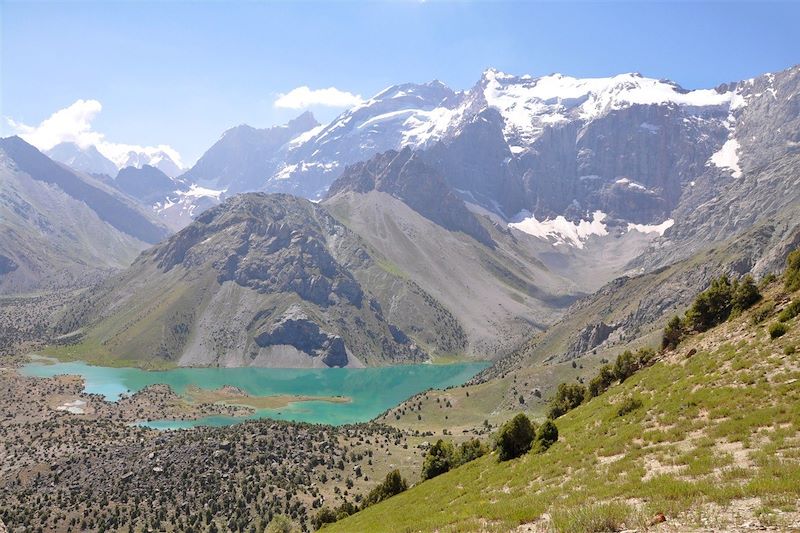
point(592, 518)
point(719, 427)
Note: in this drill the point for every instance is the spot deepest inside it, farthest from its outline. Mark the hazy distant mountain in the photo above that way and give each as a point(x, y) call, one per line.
point(60, 226)
point(155, 158)
point(147, 184)
point(91, 161)
point(245, 157)
point(88, 159)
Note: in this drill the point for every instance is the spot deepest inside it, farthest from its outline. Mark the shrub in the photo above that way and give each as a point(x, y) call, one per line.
point(282, 524)
point(763, 312)
point(602, 381)
point(625, 365)
point(778, 329)
point(745, 295)
point(567, 397)
point(629, 404)
point(439, 459)
point(673, 333)
point(766, 280)
point(644, 357)
point(393, 484)
point(324, 516)
point(712, 306)
point(791, 277)
point(546, 436)
point(791, 311)
point(469, 451)
point(790, 350)
point(515, 437)
point(591, 518)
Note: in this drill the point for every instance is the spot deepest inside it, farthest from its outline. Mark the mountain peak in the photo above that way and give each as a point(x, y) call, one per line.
point(406, 176)
point(303, 122)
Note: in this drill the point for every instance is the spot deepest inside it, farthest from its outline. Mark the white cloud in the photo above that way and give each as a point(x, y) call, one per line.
point(74, 124)
point(71, 124)
point(302, 97)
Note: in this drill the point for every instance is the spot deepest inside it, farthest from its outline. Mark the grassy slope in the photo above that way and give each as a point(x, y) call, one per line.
point(721, 427)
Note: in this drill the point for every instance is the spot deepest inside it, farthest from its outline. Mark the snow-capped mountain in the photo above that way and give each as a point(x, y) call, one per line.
point(245, 156)
point(93, 161)
point(88, 159)
point(396, 117)
point(421, 115)
point(565, 159)
point(154, 157)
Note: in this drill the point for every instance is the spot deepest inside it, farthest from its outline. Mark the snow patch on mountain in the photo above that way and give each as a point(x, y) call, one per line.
point(305, 136)
point(727, 157)
point(652, 228)
point(179, 209)
point(560, 229)
point(630, 184)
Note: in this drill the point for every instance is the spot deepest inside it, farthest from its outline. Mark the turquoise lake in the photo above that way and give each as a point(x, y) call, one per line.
point(372, 390)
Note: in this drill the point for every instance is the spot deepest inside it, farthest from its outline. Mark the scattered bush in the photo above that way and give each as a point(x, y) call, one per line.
point(791, 277)
point(470, 450)
point(778, 329)
point(282, 524)
point(721, 300)
point(766, 280)
point(326, 515)
point(628, 363)
point(791, 311)
point(393, 484)
point(443, 456)
point(673, 333)
point(790, 350)
point(567, 397)
point(629, 404)
point(712, 306)
point(439, 459)
point(515, 437)
point(745, 295)
point(602, 381)
point(546, 436)
point(763, 312)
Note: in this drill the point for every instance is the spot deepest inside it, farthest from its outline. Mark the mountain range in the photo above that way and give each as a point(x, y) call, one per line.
point(428, 223)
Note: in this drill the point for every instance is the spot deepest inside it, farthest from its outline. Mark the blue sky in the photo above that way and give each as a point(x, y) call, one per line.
point(180, 73)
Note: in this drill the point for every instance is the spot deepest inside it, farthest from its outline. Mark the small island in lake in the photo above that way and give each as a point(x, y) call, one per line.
point(232, 395)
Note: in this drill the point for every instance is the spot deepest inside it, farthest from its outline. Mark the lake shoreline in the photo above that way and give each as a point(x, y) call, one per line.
point(334, 396)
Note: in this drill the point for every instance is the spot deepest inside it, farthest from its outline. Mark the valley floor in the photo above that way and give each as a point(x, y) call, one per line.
point(714, 446)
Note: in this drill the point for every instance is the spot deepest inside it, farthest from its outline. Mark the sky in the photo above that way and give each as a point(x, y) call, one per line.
point(178, 74)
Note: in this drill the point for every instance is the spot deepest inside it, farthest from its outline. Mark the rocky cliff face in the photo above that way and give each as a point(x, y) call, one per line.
point(407, 177)
point(751, 177)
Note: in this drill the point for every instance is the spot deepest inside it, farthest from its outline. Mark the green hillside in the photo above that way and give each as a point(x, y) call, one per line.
point(715, 444)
